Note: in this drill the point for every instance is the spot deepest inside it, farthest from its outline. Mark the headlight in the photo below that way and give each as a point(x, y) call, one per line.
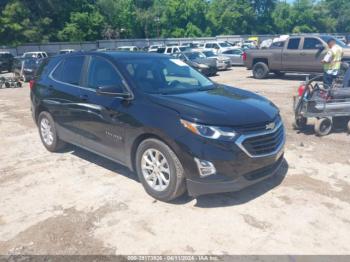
point(212, 132)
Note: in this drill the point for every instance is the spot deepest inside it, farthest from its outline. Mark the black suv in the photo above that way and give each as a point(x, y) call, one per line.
point(158, 116)
point(6, 61)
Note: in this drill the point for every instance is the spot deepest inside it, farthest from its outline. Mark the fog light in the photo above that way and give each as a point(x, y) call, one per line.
point(205, 168)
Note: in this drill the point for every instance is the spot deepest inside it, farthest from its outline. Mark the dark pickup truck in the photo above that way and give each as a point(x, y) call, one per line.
point(301, 54)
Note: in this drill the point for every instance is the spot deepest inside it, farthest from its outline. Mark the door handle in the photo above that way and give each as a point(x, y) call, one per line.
point(84, 97)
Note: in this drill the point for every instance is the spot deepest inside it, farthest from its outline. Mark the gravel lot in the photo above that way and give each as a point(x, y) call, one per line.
point(78, 203)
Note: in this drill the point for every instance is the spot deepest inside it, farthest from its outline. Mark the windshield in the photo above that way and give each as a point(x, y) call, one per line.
point(30, 63)
point(194, 55)
point(165, 76)
point(209, 53)
point(340, 43)
point(224, 44)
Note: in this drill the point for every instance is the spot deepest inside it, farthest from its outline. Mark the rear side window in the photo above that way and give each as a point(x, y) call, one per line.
point(69, 70)
point(311, 43)
point(102, 73)
point(293, 43)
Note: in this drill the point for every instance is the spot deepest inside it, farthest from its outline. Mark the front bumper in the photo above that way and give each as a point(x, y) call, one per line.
point(197, 188)
point(236, 167)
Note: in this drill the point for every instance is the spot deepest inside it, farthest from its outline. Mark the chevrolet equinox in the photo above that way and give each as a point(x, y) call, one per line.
point(159, 117)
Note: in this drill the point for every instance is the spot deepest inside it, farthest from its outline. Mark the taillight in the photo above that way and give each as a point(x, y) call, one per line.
point(301, 90)
point(244, 56)
point(31, 84)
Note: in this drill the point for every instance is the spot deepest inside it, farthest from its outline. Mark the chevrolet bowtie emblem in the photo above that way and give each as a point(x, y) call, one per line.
point(270, 126)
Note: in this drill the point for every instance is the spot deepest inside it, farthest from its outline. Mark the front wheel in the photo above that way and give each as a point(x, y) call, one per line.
point(48, 133)
point(159, 170)
point(323, 126)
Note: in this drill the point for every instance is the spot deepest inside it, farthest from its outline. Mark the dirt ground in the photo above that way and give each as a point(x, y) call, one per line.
point(78, 203)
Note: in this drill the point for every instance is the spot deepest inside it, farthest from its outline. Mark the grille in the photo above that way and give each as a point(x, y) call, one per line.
point(264, 144)
point(261, 127)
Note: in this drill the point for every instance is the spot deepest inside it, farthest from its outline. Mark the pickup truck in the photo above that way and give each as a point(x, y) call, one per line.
point(300, 54)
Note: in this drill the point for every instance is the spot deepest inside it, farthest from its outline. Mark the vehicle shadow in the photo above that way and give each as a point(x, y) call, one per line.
point(206, 201)
point(241, 197)
point(100, 161)
point(287, 77)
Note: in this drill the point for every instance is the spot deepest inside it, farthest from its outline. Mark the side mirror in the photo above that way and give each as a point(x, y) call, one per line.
point(112, 91)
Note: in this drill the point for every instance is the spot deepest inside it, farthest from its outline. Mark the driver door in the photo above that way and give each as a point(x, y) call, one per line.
point(102, 122)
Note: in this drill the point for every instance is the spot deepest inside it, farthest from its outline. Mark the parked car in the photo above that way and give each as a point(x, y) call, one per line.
point(127, 48)
point(218, 47)
point(222, 62)
point(25, 68)
point(174, 49)
point(36, 55)
point(161, 118)
point(154, 48)
point(66, 51)
point(199, 61)
point(236, 56)
point(6, 61)
point(301, 54)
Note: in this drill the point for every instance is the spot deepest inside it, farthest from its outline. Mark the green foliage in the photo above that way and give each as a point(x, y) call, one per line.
point(24, 21)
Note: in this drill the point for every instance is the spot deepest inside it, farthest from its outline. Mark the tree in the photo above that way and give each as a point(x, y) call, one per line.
point(83, 26)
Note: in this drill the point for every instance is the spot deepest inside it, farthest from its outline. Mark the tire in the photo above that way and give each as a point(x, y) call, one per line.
point(7, 85)
point(162, 185)
point(279, 73)
point(348, 126)
point(300, 123)
point(260, 70)
point(48, 133)
point(323, 126)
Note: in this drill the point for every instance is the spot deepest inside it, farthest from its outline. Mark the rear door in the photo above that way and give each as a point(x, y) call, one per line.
point(311, 55)
point(62, 97)
point(291, 54)
point(102, 122)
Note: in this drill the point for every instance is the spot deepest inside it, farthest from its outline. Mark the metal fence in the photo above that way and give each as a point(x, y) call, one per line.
point(53, 48)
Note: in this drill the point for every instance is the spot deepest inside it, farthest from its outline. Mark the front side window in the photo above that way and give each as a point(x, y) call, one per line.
point(102, 73)
point(293, 43)
point(164, 76)
point(311, 43)
point(69, 70)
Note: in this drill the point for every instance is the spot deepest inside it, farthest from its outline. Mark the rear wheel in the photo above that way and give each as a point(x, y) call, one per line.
point(260, 70)
point(323, 126)
point(159, 170)
point(48, 133)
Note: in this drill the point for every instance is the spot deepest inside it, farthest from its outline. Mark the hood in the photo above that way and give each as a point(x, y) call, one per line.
point(222, 106)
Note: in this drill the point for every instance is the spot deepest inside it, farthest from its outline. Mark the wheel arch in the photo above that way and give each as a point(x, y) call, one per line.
point(260, 59)
point(143, 137)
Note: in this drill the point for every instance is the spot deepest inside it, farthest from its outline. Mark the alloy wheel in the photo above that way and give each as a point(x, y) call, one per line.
point(46, 131)
point(155, 169)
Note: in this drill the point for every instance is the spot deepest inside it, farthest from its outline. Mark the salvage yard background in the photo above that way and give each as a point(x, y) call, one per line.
point(75, 202)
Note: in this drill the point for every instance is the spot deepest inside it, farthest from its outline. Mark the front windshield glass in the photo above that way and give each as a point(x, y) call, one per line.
point(224, 44)
point(340, 43)
point(209, 53)
point(30, 63)
point(165, 76)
